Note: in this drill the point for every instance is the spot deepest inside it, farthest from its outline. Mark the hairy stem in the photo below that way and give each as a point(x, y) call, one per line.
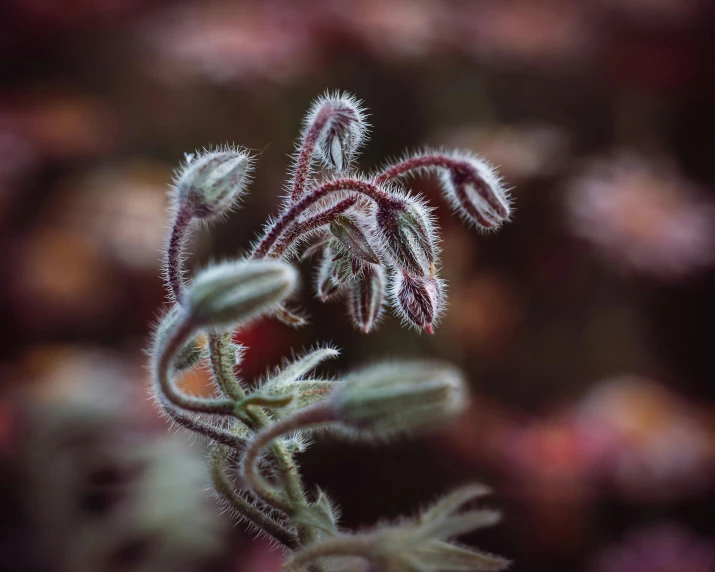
point(299, 228)
point(216, 434)
point(416, 163)
point(360, 545)
point(174, 255)
point(319, 413)
point(307, 150)
point(165, 385)
point(246, 509)
point(370, 190)
point(223, 359)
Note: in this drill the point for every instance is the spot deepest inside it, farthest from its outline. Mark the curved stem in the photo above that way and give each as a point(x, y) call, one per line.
point(223, 359)
point(307, 150)
point(216, 434)
point(174, 255)
point(245, 508)
point(315, 414)
point(299, 228)
point(420, 162)
point(365, 188)
point(166, 388)
point(360, 545)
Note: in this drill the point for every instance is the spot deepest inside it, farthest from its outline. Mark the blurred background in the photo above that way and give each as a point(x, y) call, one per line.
point(584, 326)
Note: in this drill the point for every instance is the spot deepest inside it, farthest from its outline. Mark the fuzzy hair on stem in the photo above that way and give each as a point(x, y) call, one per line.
point(378, 242)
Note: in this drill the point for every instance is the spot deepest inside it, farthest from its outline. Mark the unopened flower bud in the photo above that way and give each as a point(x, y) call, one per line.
point(475, 191)
point(233, 292)
point(337, 269)
point(367, 293)
point(343, 130)
point(408, 236)
point(419, 300)
point(353, 235)
point(211, 182)
point(399, 397)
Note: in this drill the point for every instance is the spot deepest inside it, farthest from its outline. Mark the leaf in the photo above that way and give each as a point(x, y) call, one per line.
point(451, 502)
point(437, 555)
point(298, 368)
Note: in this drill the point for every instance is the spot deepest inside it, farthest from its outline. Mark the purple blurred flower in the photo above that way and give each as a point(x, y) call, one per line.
point(643, 216)
point(661, 548)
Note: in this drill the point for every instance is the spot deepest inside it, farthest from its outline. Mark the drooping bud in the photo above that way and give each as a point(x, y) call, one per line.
point(352, 233)
point(212, 181)
point(342, 128)
point(233, 292)
point(408, 236)
point(367, 293)
point(192, 352)
point(399, 397)
point(419, 300)
point(336, 269)
point(475, 191)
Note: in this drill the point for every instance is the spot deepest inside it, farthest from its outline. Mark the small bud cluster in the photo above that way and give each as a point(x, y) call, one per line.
point(377, 244)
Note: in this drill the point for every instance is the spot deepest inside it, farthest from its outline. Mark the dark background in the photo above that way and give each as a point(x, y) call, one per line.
point(584, 326)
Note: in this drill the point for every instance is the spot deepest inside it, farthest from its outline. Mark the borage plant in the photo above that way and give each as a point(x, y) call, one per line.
point(375, 240)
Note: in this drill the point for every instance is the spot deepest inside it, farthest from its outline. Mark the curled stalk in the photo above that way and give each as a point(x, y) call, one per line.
point(369, 190)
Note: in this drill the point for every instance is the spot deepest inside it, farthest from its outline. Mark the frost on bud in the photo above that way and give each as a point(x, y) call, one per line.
point(367, 293)
point(408, 236)
point(475, 190)
point(341, 125)
point(419, 300)
point(211, 182)
point(399, 397)
point(190, 354)
point(234, 292)
point(352, 233)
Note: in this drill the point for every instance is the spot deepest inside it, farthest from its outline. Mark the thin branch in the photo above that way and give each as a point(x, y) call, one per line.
point(223, 360)
point(168, 391)
point(370, 190)
point(174, 255)
point(214, 433)
point(416, 163)
point(315, 414)
point(307, 150)
point(246, 509)
point(299, 228)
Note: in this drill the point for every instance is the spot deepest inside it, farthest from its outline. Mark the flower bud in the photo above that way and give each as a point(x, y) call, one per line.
point(408, 236)
point(233, 292)
point(367, 292)
point(352, 233)
point(343, 130)
point(475, 190)
point(337, 269)
point(418, 300)
point(212, 181)
point(399, 397)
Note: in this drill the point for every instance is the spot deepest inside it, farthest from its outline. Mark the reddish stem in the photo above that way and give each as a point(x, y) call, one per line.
point(305, 157)
point(370, 190)
point(301, 227)
point(173, 260)
point(420, 162)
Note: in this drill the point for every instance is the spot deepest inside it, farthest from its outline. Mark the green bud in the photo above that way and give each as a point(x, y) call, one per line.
point(234, 292)
point(211, 182)
point(399, 397)
point(353, 235)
